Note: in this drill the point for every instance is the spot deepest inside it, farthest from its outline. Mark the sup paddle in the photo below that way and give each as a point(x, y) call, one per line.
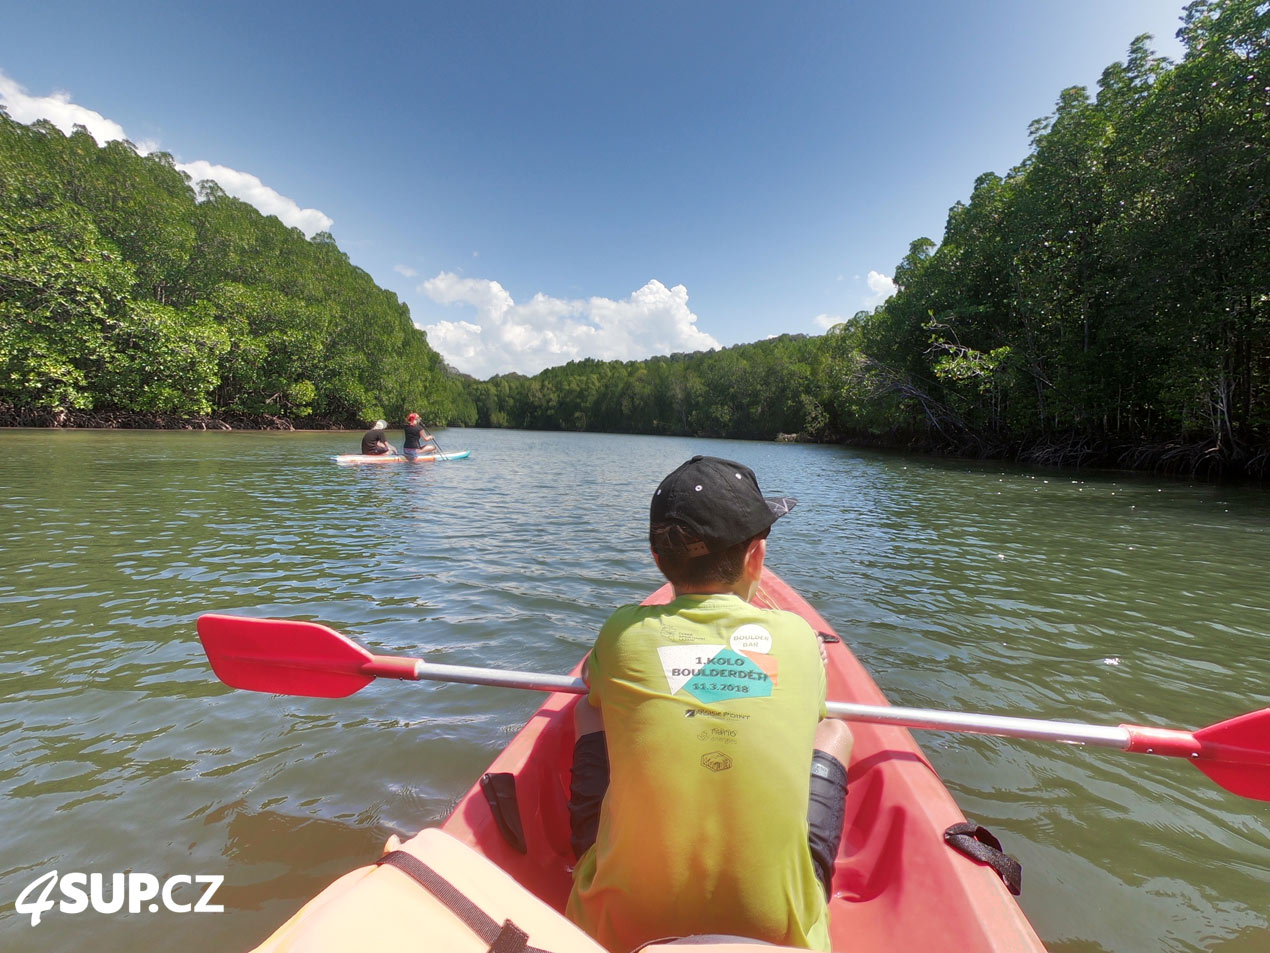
point(433, 438)
point(288, 657)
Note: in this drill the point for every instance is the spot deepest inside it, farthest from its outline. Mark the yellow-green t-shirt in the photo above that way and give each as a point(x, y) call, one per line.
point(710, 708)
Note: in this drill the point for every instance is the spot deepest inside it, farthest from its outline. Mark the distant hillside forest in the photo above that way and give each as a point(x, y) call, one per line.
point(1107, 301)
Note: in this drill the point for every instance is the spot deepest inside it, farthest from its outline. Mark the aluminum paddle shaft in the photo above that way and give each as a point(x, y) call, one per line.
point(305, 658)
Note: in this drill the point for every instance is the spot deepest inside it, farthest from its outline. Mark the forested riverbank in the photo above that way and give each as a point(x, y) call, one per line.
point(1105, 302)
point(128, 293)
point(141, 420)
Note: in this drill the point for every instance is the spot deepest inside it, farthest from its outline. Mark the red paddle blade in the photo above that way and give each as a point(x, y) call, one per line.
point(1236, 754)
point(283, 656)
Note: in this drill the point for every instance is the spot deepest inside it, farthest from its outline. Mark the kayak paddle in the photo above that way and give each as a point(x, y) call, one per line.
point(288, 657)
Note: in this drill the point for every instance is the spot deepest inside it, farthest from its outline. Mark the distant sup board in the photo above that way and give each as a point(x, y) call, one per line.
point(399, 458)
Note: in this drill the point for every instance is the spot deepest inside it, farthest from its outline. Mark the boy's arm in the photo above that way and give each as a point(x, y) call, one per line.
point(587, 717)
point(593, 701)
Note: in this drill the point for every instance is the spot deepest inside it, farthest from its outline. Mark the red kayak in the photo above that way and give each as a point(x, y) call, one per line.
point(496, 875)
point(898, 886)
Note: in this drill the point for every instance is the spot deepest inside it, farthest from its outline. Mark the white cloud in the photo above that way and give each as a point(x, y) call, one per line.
point(65, 115)
point(881, 286)
point(545, 331)
point(57, 109)
point(405, 270)
point(245, 186)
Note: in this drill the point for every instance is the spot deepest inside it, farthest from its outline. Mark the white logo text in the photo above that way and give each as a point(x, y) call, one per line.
point(133, 891)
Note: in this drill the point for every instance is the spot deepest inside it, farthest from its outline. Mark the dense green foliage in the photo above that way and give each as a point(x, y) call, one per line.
point(1112, 289)
point(752, 390)
point(1107, 299)
point(121, 289)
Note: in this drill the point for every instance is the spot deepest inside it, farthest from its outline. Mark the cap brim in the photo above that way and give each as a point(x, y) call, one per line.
point(780, 505)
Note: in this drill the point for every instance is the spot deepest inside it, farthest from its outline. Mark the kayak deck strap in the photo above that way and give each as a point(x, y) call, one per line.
point(982, 845)
point(508, 938)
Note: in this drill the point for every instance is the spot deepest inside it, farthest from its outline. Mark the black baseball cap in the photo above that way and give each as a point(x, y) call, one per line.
point(709, 504)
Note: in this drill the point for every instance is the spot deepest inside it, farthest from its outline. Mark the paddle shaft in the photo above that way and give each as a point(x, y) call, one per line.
point(1136, 738)
point(291, 657)
point(493, 677)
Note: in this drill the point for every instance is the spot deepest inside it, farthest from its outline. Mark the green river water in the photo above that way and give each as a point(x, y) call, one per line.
point(1103, 598)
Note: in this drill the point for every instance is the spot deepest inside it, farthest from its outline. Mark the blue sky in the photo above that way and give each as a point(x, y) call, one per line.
point(546, 181)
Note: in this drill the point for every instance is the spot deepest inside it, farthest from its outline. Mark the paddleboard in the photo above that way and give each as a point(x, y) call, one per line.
point(399, 458)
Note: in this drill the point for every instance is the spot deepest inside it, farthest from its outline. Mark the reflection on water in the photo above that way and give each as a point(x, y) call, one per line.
point(1098, 598)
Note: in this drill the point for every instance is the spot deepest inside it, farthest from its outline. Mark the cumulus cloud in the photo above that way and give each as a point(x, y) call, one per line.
point(543, 332)
point(881, 287)
point(66, 115)
point(826, 321)
point(57, 109)
point(405, 270)
point(245, 186)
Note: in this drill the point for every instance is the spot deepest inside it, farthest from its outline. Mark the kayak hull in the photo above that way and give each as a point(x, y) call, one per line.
point(897, 885)
point(351, 458)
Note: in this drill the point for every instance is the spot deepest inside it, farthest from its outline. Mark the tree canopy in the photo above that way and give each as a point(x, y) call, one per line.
point(122, 288)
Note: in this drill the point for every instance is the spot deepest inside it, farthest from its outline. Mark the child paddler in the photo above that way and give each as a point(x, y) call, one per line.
point(724, 810)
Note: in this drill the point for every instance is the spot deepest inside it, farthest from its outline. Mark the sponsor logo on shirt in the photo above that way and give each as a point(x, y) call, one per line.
point(716, 761)
point(715, 713)
point(718, 735)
